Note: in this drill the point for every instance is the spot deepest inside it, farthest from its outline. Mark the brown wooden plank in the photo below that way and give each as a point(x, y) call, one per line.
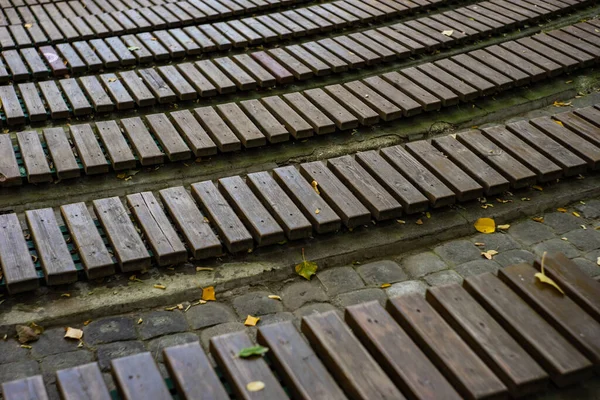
point(159, 88)
point(126, 56)
point(34, 62)
point(281, 74)
point(578, 285)
point(296, 66)
point(170, 140)
point(484, 87)
point(563, 362)
point(62, 155)
point(138, 377)
point(300, 367)
point(353, 57)
point(266, 34)
point(166, 245)
point(318, 67)
point(286, 115)
point(116, 146)
point(567, 63)
point(217, 78)
point(117, 91)
point(546, 64)
point(33, 102)
point(349, 362)
point(10, 175)
point(126, 242)
point(200, 83)
point(262, 226)
point(141, 53)
point(343, 118)
point(454, 358)
point(17, 265)
point(96, 259)
point(397, 354)
point(516, 173)
point(364, 114)
point(260, 74)
point(201, 240)
point(313, 115)
point(11, 106)
point(464, 91)
point(100, 99)
point(109, 58)
point(232, 231)
point(464, 187)
point(218, 130)
point(84, 382)
point(436, 191)
point(559, 310)
point(589, 114)
point(580, 126)
point(241, 371)
point(352, 212)
point(518, 76)
point(138, 90)
point(241, 79)
point(192, 132)
point(15, 64)
point(502, 354)
point(187, 362)
point(248, 133)
point(79, 103)
point(181, 87)
point(274, 131)
point(31, 388)
point(499, 80)
point(74, 62)
point(426, 100)
point(34, 158)
point(386, 109)
point(145, 147)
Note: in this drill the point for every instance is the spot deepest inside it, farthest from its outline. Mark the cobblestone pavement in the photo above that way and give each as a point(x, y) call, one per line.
point(571, 231)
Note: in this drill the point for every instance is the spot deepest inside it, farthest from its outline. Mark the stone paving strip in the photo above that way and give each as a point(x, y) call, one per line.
point(295, 61)
point(289, 203)
point(282, 25)
point(204, 131)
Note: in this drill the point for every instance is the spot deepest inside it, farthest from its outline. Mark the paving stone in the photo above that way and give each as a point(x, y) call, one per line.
point(495, 241)
point(315, 308)
point(157, 345)
point(591, 209)
point(380, 272)
point(18, 370)
point(589, 267)
point(340, 280)
point(297, 294)
point(55, 362)
point(53, 341)
point(158, 323)
point(530, 232)
point(512, 257)
point(443, 278)
point(11, 351)
point(562, 222)
point(556, 246)
point(256, 303)
point(584, 239)
point(106, 352)
point(422, 264)
point(209, 314)
point(408, 287)
point(276, 318)
point(217, 330)
point(593, 255)
point(477, 267)
point(361, 296)
point(108, 330)
point(458, 252)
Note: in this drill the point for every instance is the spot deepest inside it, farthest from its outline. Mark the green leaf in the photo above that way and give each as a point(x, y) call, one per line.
point(306, 269)
point(253, 351)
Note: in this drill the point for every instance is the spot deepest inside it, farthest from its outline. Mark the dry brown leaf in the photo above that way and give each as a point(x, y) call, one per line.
point(274, 297)
point(139, 321)
point(318, 210)
point(448, 32)
point(26, 334)
point(251, 321)
point(538, 188)
point(503, 227)
point(419, 221)
point(73, 333)
point(28, 25)
point(575, 213)
point(479, 244)
point(255, 386)
point(558, 122)
point(562, 210)
point(489, 254)
point(561, 104)
point(198, 269)
point(86, 323)
point(208, 294)
point(538, 219)
point(158, 286)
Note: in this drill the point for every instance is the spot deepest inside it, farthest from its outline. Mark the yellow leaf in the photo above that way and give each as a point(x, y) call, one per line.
point(121, 176)
point(318, 210)
point(198, 269)
point(558, 122)
point(140, 321)
point(26, 346)
point(73, 333)
point(251, 321)
point(170, 308)
point(538, 219)
point(561, 104)
point(386, 285)
point(400, 221)
point(419, 221)
point(504, 227)
point(598, 261)
point(274, 297)
point(537, 187)
point(306, 269)
point(112, 80)
point(427, 214)
point(255, 386)
point(86, 323)
point(489, 254)
point(162, 287)
point(479, 244)
point(485, 225)
point(562, 210)
point(525, 199)
point(448, 32)
point(544, 278)
point(65, 295)
point(315, 186)
point(208, 294)
point(28, 26)
point(180, 306)
point(575, 213)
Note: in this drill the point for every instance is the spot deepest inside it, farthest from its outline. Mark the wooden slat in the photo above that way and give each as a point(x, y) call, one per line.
point(398, 355)
point(34, 158)
point(201, 84)
point(313, 115)
point(241, 371)
point(503, 355)
point(298, 364)
point(96, 259)
point(293, 122)
point(349, 362)
point(118, 150)
point(166, 245)
point(218, 130)
point(138, 377)
point(100, 99)
point(117, 91)
point(170, 140)
point(364, 114)
point(11, 106)
point(79, 103)
point(10, 174)
point(563, 362)
point(343, 118)
point(408, 106)
point(185, 364)
point(63, 158)
point(580, 126)
point(464, 91)
point(82, 383)
point(241, 125)
point(108, 57)
point(563, 313)
point(444, 347)
point(262, 76)
point(145, 147)
point(183, 89)
point(232, 231)
point(141, 94)
point(387, 110)
point(590, 114)
point(33, 102)
point(194, 135)
point(223, 84)
point(200, 238)
point(89, 151)
point(31, 388)
point(17, 265)
point(126, 242)
point(54, 100)
point(274, 131)
point(159, 88)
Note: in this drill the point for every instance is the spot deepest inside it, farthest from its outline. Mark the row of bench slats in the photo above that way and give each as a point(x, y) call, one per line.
point(80, 7)
point(251, 123)
point(490, 337)
point(185, 13)
point(246, 72)
point(266, 208)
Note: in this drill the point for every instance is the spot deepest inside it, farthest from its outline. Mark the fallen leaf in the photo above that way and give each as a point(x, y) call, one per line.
point(538, 188)
point(448, 32)
point(86, 323)
point(504, 227)
point(121, 176)
point(208, 294)
point(26, 334)
point(558, 122)
point(544, 278)
point(583, 227)
point(598, 261)
point(80, 344)
point(400, 221)
point(306, 269)
point(25, 346)
point(575, 213)
point(251, 321)
point(28, 26)
point(525, 199)
point(386, 285)
point(489, 254)
point(139, 321)
point(133, 48)
point(479, 244)
point(564, 238)
point(65, 295)
point(198, 269)
point(170, 308)
point(485, 225)
point(562, 210)
point(162, 287)
point(180, 306)
point(112, 79)
point(315, 186)
point(274, 297)
point(253, 351)
point(74, 333)
point(538, 219)
point(428, 215)
point(561, 104)
point(419, 221)
point(318, 210)
point(255, 386)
